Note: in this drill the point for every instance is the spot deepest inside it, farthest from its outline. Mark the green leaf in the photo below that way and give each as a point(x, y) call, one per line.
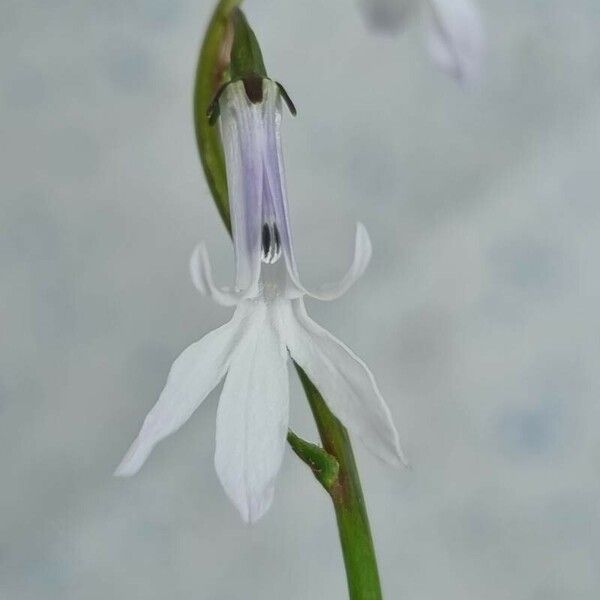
point(211, 74)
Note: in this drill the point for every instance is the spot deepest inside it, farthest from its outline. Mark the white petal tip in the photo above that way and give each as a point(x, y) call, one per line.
point(125, 470)
point(360, 262)
point(394, 457)
point(197, 265)
point(132, 461)
point(253, 510)
point(201, 273)
point(400, 457)
point(403, 460)
point(456, 39)
point(254, 517)
point(363, 242)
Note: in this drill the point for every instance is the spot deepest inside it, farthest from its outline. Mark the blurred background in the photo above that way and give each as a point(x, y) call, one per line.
point(479, 314)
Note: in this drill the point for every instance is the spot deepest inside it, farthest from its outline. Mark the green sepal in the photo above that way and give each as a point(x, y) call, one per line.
point(246, 56)
point(325, 467)
point(286, 97)
point(250, 87)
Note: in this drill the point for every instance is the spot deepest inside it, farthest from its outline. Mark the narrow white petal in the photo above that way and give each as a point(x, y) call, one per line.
point(242, 136)
point(362, 256)
point(252, 420)
point(346, 383)
point(201, 273)
point(455, 38)
point(193, 375)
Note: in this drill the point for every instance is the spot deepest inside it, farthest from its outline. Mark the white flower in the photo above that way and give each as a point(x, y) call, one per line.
point(269, 325)
point(455, 37)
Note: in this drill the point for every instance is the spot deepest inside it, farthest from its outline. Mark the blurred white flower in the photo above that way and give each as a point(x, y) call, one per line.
point(454, 30)
point(270, 324)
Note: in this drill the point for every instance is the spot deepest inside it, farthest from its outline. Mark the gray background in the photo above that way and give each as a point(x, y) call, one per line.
point(479, 314)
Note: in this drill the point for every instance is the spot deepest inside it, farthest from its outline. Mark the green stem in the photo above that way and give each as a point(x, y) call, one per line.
point(348, 501)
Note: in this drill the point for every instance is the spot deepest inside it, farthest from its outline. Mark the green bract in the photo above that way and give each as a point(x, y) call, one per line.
point(211, 73)
point(246, 57)
point(247, 66)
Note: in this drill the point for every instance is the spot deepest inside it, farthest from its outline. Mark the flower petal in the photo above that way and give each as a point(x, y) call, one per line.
point(275, 186)
point(362, 256)
point(193, 375)
point(347, 385)
point(201, 273)
point(242, 135)
point(252, 419)
point(455, 38)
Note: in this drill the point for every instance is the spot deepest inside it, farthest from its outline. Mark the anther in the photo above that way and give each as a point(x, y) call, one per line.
point(271, 243)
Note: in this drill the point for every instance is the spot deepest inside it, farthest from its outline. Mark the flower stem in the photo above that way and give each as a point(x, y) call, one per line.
point(348, 501)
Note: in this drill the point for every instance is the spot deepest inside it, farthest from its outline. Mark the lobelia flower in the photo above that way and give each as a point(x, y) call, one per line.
point(455, 37)
point(270, 324)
